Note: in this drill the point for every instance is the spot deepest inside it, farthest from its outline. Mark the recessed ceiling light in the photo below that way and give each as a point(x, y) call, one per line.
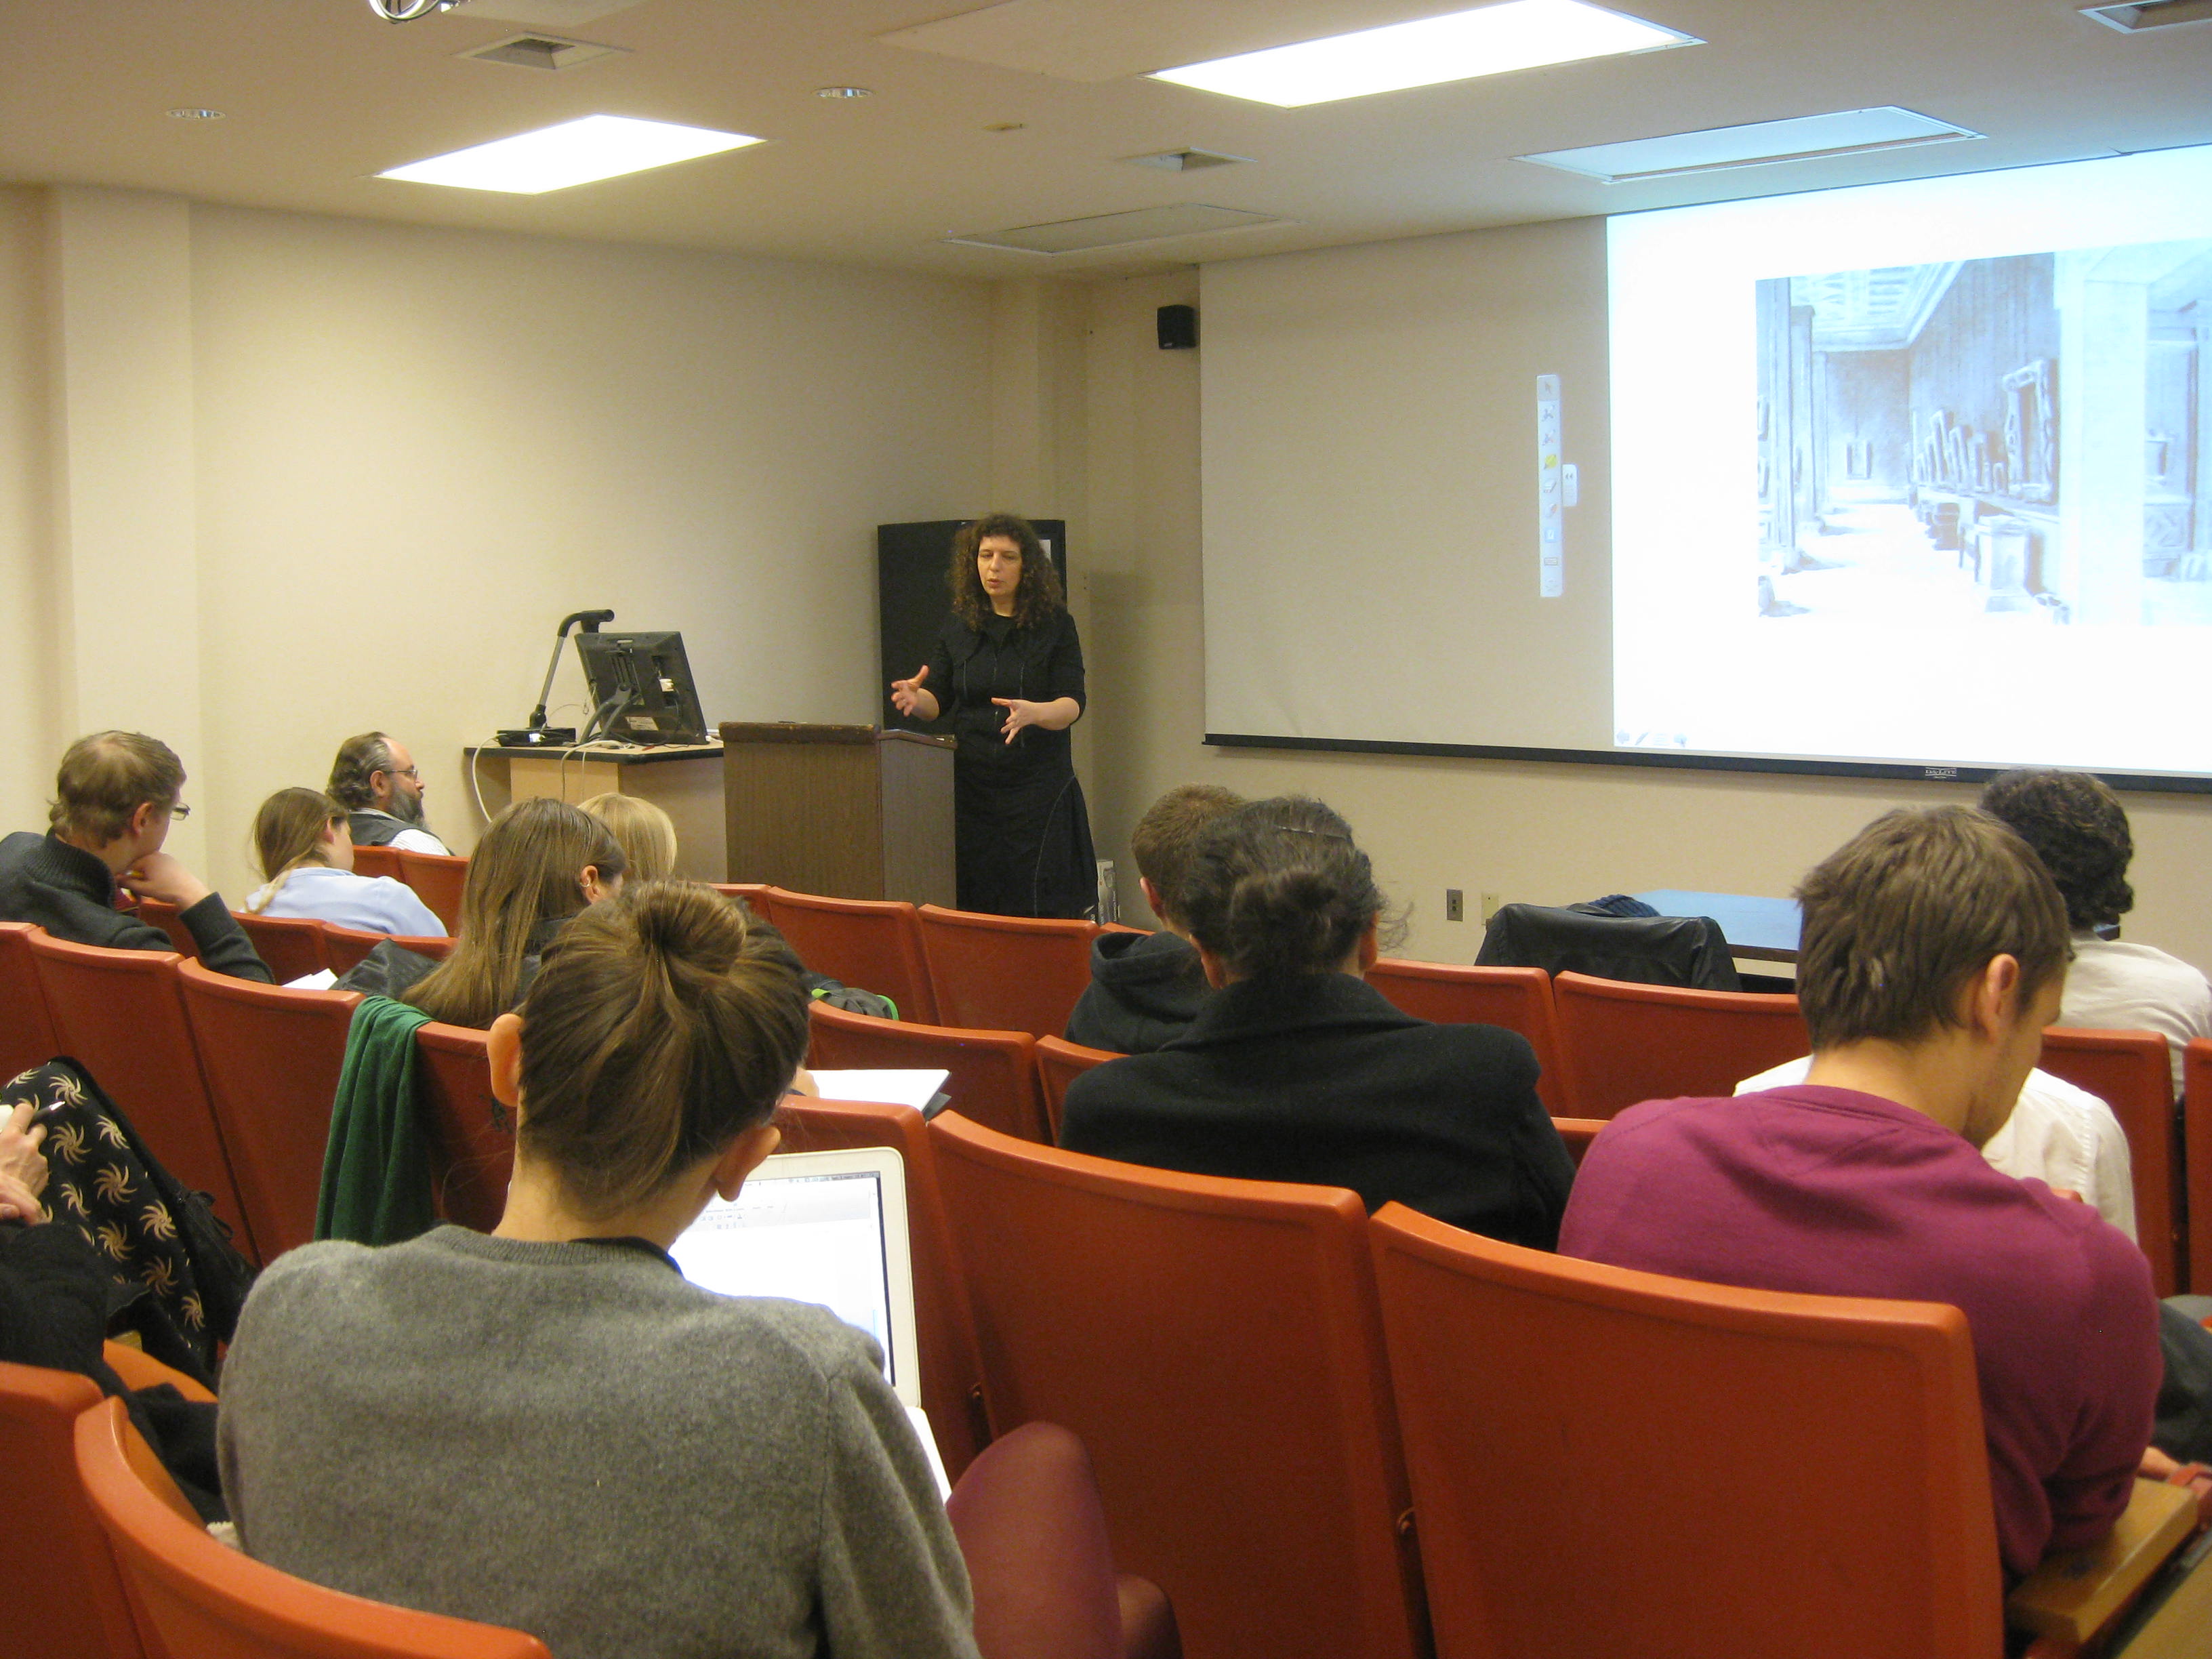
point(577, 152)
point(844, 92)
point(1799, 139)
point(197, 114)
point(1488, 40)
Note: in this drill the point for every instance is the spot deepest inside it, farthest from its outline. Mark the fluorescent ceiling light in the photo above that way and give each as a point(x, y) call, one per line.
point(1488, 40)
point(1799, 139)
point(574, 152)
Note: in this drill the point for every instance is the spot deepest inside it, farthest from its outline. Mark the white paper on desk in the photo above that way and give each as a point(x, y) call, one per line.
point(321, 980)
point(900, 1088)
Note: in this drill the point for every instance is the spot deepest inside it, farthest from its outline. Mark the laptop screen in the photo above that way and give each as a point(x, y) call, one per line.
point(812, 1227)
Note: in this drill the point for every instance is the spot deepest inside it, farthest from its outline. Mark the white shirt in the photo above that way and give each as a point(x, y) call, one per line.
point(2062, 1135)
point(420, 841)
point(374, 904)
point(2115, 986)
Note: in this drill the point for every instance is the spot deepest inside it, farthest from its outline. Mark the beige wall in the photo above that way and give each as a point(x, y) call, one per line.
point(1538, 832)
point(377, 463)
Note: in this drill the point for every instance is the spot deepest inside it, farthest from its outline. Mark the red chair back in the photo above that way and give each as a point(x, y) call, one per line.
point(120, 1013)
point(952, 1375)
point(27, 1028)
point(348, 945)
point(992, 1075)
point(1518, 999)
point(437, 880)
point(272, 1058)
point(2197, 1132)
point(377, 861)
point(292, 945)
point(754, 893)
point(475, 1132)
point(63, 1596)
point(197, 1598)
point(1624, 1043)
point(159, 913)
point(1521, 1374)
point(1060, 1062)
point(1005, 973)
point(2132, 1072)
point(873, 944)
point(1578, 1132)
point(1216, 1346)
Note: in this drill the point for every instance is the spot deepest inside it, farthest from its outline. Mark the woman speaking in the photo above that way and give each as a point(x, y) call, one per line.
point(1006, 671)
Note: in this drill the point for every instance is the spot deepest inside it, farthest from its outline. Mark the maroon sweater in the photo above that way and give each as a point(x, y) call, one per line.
point(1834, 1192)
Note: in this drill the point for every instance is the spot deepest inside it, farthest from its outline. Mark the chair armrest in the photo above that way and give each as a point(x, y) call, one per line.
point(2072, 1596)
point(140, 1370)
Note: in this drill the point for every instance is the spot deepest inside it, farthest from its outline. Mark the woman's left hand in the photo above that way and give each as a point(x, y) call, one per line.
point(1020, 712)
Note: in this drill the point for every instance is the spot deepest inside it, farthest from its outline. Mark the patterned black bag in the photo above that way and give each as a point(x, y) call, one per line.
point(174, 1275)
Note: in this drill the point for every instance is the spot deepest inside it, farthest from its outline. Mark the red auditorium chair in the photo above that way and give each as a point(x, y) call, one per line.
point(1005, 973)
point(754, 893)
point(1518, 999)
point(1606, 1462)
point(437, 879)
point(2197, 1132)
point(160, 913)
point(348, 945)
point(1060, 1062)
point(873, 944)
point(121, 1015)
point(27, 1028)
point(474, 1131)
point(1626, 1042)
point(991, 1075)
point(292, 946)
point(378, 861)
point(2132, 1072)
point(1216, 1347)
point(60, 1593)
point(271, 1057)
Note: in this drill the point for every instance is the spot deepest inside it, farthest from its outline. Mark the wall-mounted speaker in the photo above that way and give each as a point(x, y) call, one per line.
point(1178, 328)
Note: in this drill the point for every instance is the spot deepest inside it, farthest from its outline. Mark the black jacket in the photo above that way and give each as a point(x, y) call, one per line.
point(71, 895)
point(1145, 988)
point(1322, 1080)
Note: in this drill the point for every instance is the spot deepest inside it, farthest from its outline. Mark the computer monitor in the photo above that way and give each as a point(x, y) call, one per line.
point(641, 690)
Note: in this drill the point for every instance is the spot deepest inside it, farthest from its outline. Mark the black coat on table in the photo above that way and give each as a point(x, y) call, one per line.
point(1320, 1080)
point(1021, 834)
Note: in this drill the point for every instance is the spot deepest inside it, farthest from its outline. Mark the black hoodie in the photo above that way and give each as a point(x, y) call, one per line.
point(1145, 989)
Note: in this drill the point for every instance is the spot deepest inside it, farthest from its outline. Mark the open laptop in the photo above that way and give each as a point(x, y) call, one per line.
point(828, 1228)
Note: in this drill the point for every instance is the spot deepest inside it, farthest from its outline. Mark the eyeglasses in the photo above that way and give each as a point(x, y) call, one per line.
point(178, 809)
point(409, 773)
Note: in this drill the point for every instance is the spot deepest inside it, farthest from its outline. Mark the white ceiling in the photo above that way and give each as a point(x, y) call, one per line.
point(320, 94)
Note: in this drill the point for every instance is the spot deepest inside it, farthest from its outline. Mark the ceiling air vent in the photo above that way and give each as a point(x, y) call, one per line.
point(1185, 160)
point(2151, 14)
point(539, 52)
point(1113, 229)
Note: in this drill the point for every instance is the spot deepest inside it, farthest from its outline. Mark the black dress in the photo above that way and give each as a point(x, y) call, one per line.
point(1022, 837)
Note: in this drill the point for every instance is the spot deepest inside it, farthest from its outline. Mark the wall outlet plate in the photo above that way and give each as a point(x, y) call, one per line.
point(1454, 904)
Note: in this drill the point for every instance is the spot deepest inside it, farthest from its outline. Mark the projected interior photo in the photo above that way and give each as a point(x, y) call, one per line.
point(1912, 422)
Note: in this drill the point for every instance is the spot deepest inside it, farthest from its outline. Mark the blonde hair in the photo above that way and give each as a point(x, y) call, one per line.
point(644, 833)
point(288, 832)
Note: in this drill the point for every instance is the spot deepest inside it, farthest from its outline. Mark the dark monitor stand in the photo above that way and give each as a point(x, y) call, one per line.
point(641, 690)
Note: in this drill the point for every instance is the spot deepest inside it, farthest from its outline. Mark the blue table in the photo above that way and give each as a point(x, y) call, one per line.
point(1758, 929)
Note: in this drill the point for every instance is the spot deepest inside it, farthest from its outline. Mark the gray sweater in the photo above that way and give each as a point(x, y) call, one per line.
point(572, 1440)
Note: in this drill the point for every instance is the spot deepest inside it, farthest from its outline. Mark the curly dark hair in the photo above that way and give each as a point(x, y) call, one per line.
point(1037, 600)
point(2078, 829)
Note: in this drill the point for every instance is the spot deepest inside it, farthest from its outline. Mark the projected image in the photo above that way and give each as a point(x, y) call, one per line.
point(1923, 459)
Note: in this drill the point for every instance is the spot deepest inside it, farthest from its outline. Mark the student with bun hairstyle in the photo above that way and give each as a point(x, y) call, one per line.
point(305, 849)
point(1297, 1070)
point(547, 1427)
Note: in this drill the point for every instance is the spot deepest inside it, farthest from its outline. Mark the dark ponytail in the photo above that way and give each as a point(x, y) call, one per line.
point(1276, 889)
point(660, 1028)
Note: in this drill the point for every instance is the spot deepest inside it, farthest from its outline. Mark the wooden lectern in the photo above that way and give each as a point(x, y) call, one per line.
point(849, 812)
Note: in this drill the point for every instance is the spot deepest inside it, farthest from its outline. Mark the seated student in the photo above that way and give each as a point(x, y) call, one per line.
point(114, 800)
point(539, 863)
point(1933, 955)
point(645, 834)
point(377, 780)
point(1297, 1070)
point(307, 851)
point(547, 1427)
point(2079, 830)
point(1146, 987)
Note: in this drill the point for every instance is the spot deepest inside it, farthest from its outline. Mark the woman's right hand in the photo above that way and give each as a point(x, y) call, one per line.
point(910, 698)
